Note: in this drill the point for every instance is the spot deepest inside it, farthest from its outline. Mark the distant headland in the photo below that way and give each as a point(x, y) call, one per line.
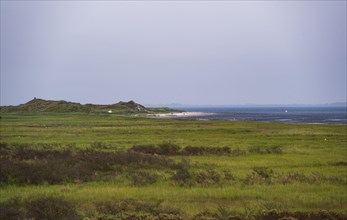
point(60, 106)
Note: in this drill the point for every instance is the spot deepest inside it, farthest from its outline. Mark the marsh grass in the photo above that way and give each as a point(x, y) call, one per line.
point(196, 167)
point(58, 208)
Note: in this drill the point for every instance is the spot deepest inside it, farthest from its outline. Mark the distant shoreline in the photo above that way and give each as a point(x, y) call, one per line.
point(181, 114)
point(299, 115)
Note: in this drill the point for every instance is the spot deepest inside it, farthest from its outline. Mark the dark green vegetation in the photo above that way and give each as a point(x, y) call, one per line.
point(109, 166)
point(41, 105)
point(22, 165)
point(52, 208)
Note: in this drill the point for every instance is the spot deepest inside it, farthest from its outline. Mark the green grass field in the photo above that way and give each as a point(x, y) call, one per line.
point(315, 155)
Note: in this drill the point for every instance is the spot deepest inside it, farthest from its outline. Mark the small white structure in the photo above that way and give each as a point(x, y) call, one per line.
point(110, 111)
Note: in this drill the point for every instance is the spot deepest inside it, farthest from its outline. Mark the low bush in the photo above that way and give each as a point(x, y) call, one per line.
point(146, 149)
point(43, 208)
point(228, 176)
point(292, 177)
point(341, 163)
point(12, 209)
point(266, 150)
point(130, 206)
point(237, 152)
point(262, 175)
point(196, 150)
point(313, 178)
point(169, 149)
point(143, 178)
point(264, 172)
point(208, 177)
point(223, 213)
point(57, 208)
point(259, 175)
point(30, 154)
point(205, 215)
point(140, 160)
point(183, 175)
point(282, 215)
point(27, 166)
point(51, 208)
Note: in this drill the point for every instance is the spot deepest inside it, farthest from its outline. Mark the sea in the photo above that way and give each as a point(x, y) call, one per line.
point(292, 115)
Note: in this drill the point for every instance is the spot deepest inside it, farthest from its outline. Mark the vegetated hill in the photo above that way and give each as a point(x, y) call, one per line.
point(41, 105)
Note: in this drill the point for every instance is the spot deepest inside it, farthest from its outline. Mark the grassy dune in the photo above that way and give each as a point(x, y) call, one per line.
point(315, 154)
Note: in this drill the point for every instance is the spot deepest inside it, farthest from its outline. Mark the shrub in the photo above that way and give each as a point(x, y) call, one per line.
point(27, 166)
point(12, 209)
point(204, 215)
point(275, 150)
point(146, 149)
point(143, 178)
point(237, 152)
point(97, 160)
point(182, 175)
point(45, 171)
point(225, 214)
point(4, 151)
point(266, 150)
point(51, 208)
point(313, 178)
point(109, 207)
point(341, 163)
point(190, 150)
point(277, 215)
point(37, 172)
point(228, 175)
point(200, 150)
point(288, 218)
point(142, 160)
point(293, 177)
point(124, 207)
point(208, 177)
point(169, 149)
point(24, 153)
point(223, 151)
point(259, 175)
point(264, 172)
point(164, 216)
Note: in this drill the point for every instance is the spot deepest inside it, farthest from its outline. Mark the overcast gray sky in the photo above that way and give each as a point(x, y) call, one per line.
point(194, 52)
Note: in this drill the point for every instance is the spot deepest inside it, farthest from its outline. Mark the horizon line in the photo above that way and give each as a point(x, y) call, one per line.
point(344, 103)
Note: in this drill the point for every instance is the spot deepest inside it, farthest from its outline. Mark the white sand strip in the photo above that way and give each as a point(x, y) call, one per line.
point(181, 114)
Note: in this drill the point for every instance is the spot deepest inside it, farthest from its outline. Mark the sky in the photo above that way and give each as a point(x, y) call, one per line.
point(188, 52)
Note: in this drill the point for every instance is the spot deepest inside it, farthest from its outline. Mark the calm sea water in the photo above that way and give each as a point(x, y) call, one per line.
point(302, 115)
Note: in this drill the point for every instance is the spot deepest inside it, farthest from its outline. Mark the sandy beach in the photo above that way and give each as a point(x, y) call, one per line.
point(181, 114)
